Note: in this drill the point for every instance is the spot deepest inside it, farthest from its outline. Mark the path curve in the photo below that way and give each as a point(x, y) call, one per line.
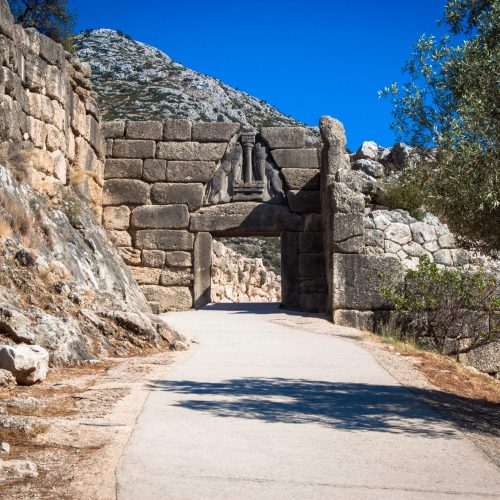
point(264, 411)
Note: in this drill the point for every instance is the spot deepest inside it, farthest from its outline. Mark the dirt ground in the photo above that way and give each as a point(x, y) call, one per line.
point(79, 422)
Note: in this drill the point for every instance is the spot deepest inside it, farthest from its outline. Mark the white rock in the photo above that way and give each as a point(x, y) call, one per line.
point(443, 257)
point(16, 470)
point(447, 240)
point(28, 363)
point(381, 221)
point(422, 232)
point(370, 167)
point(398, 233)
point(4, 448)
point(7, 380)
point(431, 246)
point(391, 247)
point(368, 150)
point(414, 249)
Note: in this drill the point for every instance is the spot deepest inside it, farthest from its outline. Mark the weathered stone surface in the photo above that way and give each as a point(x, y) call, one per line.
point(369, 150)
point(348, 233)
point(190, 171)
point(374, 238)
point(346, 201)
point(176, 277)
point(163, 239)
point(314, 302)
point(120, 238)
point(446, 240)
point(398, 233)
point(173, 194)
point(313, 222)
point(172, 298)
point(144, 130)
point(142, 149)
point(154, 170)
point(28, 363)
point(16, 470)
point(177, 130)
point(311, 265)
point(146, 275)
point(443, 257)
point(179, 259)
point(310, 242)
point(370, 167)
point(153, 258)
point(125, 191)
point(362, 320)
point(301, 178)
point(113, 130)
point(296, 158)
point(485, 358)
point(304, 201)
point(116, 217)
point(246, 217)
point(131, 256)
point(290, 269)
point(356, 281)
point(160, 217)
point(283, 137)
point(313, 286)
point(191, 151)
point(123, 169)
point(7, 380)
point(214, 131)
point(422, 232)
point(202, 260)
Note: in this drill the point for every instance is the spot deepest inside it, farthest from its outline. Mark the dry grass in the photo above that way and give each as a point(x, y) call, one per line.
point(5, 228)
point(79, 177)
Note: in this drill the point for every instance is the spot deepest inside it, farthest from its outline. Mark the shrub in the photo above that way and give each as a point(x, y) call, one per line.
point(398, 193)
point(444, 308)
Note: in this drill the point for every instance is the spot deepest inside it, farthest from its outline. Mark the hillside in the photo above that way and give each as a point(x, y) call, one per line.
point(136, 81)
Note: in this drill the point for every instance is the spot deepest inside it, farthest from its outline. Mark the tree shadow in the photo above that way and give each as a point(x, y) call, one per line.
point(259, 308)
point(349, 406)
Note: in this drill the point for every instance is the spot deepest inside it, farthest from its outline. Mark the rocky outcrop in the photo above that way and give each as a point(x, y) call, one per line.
point(236, 278)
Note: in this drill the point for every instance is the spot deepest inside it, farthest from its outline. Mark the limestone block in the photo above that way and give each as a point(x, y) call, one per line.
point(40, 107)
point(122, 169)
point(179, 259)
point(398, 233)
point(304, 201)
point(153, 258)
point(348, 233)
point(431, 246)
point(357, 280)
point(301, 178)
point(447, 240)
point(172, 194)
point(164, 239)
point(369, 150)
point(143, 149)
point(120, 238)
point(6, 20)
point(154, 170)
point(347, 201)
point(460, 257)
point(78, 116)
point(160, 217)
point(313, 222)
point(310, 242)
point(370, 167)
point(131, 256)
point(177, 130)
point(214, 131)
point(283, 137)
point(202, 260)
point(113, 130)
point(296, 158)
point(246, 216)
point(443, 257)
point(312, 302)
point(312, 265)
point(391, 247)
point(125, 191)
point(413, 249)
point(181, 276)
point(51, 51)
point(55, 140)
point(313, 286)
point(116, 218)
point(144, 130)
point(28, 363)
point(191, 151)
point(146, 275)
point(190, 171)
point(422, 232)
point(172, 298)
point(374, 238)
point(362, 320)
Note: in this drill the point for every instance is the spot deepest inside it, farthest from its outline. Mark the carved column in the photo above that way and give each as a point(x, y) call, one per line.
point(247, 141)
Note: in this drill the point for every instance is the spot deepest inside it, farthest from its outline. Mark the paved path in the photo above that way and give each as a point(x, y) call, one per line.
point(262, 411)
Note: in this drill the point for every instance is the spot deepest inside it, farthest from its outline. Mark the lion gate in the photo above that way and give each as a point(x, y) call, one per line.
point(170, 186)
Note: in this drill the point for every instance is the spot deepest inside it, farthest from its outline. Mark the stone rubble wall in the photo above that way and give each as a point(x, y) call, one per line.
point(156, 209)
point(236, 278)
point(46, 103)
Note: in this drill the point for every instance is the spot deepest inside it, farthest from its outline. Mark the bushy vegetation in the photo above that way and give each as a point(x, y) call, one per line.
point(452, 311)
point(448, 110)
point(401, 193)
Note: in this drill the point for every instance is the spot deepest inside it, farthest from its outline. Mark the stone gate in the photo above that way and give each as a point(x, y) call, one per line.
point(170, 186)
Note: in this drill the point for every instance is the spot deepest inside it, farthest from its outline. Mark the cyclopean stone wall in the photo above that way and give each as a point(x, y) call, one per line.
point(169, 186)
point(46, 103)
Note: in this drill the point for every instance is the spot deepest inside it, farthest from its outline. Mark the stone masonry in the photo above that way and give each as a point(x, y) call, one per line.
point(170, 186)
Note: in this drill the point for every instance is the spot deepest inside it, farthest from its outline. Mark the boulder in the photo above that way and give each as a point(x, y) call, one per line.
point(28, 363)
point(7, 380)
point(370, 167)
point(369, 150)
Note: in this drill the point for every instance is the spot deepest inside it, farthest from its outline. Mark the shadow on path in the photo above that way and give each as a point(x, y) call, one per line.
point(258, 308)
point(350, 406)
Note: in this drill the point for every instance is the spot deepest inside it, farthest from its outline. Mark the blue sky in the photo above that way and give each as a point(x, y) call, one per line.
point(308, 58)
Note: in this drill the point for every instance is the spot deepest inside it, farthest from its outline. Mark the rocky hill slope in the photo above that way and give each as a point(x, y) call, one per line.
point(136, 81)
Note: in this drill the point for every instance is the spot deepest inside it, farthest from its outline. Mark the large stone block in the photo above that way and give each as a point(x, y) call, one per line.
point(160, 217)
point(6, 20)
point(284, 137)
point(120, 238)
point(348, 233)
point(122, 169)
point(113, 130)
point(144, 130)
point(357, 280)
point(179, 259)
point(202, 258)
point(347, 201)
point(125, 191)
point(362, 320)
point(311, 242)
point(313, 222)
point(177, 130)
point(304, 201)
point(123, 148)
point(116, 218)
point(131, 256)
point(146, 275)
point(51, 51)
point(301, 178)
point(312, 265)
point(190, 171)
point(191, 151)
point(315, 302)
point(176, 277)
point(296, 158)
point(214, 131)
point(172, 194)
point(290, 269)
point(153, 258)
point(154, 170)
point(163, 239)
point(313, 286)
point(246, 217)
point(171, 298)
